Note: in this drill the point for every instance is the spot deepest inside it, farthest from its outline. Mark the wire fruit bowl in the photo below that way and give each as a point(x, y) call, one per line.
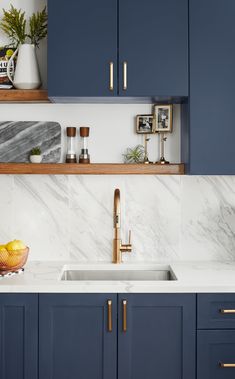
point(12, 260)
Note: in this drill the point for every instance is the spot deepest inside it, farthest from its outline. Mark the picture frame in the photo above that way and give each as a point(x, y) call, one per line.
point(163, 118)
point(145, 124)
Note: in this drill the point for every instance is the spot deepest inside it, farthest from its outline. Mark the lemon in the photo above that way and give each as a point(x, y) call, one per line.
point(15, 245)
point(3, 255)
point(9, 53)
point(13, 260)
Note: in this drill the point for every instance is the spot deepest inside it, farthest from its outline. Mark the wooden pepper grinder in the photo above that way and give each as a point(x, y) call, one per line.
point(84, 157)
point(71, 151)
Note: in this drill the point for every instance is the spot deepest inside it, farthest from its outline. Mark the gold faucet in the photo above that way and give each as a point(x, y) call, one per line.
point(118, 247)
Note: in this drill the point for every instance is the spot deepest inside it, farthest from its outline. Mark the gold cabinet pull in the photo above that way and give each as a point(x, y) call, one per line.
point(110, 325)
point(124, 316)
point(227, 365)
point(227, 311)
point(125, 76)
point(111, 76)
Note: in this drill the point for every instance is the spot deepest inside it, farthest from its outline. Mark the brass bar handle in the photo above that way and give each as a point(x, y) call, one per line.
point(124, 316)
point(227, 365)
point(227, 311)
point(111, 87)
point(124, 76)
point(110, 324)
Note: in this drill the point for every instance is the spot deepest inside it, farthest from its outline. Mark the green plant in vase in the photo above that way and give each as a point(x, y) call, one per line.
point(14, 25)
point(26, 36)
point(35, 155)
point(38, 27)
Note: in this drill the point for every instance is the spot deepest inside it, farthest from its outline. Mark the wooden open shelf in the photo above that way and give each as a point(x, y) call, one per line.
point(26, 96)
point(90, 169)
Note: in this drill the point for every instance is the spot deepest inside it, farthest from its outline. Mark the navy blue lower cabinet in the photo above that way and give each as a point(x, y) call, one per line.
point(156, 336)
point(78, 336)
point(19, 336)
point(215, 311)
point(216, 354)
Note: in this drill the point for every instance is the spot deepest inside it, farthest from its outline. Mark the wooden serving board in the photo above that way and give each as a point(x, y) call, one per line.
point(17, 138)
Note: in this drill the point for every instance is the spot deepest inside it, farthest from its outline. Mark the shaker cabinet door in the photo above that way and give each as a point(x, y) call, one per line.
point(78, 336)
point(153, 48)
point(82, 43)
point(156, 336)
point(18, 336)
point(216, 354)
point(212, 87)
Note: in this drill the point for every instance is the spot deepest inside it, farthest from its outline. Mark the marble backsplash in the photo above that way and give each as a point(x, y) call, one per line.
point(70, 217)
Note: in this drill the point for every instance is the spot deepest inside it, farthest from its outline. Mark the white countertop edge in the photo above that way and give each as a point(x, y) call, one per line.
point(193, 277)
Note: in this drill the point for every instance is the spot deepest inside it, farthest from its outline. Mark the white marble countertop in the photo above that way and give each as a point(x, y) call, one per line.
point(194, 277)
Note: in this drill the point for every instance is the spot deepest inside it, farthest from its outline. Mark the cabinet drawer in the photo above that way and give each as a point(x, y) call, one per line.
point(216, 311)
point(216, 354)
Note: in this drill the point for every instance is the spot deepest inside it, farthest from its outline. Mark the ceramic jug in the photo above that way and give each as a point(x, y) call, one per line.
point(26, 72)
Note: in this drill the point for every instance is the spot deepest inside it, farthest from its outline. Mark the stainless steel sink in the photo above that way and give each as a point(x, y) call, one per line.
point(101, 274)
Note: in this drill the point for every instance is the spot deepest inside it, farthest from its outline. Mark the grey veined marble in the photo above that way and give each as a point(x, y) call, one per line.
point(17, 138)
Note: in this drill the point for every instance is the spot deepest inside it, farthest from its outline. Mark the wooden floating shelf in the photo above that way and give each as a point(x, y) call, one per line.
point(23, 96)
point(90, 169)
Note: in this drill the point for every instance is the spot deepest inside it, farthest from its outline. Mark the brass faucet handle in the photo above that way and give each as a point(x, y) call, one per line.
point(127, 248)
point(129, 240)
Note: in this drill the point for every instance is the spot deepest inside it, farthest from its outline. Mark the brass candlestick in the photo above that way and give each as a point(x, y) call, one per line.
point(162, 149)
point(146, 140)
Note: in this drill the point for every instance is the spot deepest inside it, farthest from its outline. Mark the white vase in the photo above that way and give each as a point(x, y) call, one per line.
point(35, 158)
point(26, 73)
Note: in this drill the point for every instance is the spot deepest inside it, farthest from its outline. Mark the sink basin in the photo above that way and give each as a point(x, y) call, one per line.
point(117, 274)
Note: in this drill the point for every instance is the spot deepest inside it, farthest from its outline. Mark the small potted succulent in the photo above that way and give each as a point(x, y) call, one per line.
point(35, 155)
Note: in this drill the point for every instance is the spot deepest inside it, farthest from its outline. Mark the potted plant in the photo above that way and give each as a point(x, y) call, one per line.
point(35, 155)
point(15, 26)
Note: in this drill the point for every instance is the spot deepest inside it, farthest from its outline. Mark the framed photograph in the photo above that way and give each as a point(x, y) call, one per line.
point(145, 124)
point(163, 118)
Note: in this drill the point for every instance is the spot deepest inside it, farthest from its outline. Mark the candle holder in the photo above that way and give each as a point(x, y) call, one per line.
point(162, 149)
point(71, 150)
point(84, 157)
point(146, 158)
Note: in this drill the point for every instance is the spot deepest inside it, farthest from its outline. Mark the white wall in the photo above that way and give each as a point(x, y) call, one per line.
point(112, 126)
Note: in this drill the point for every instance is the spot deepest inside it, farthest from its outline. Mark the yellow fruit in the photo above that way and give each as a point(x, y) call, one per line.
point(13, 260)
point(15, 245)
point(3, 255)
point(9, 53)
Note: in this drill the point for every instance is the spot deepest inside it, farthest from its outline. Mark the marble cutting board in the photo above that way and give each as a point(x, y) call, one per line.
point(17, 138)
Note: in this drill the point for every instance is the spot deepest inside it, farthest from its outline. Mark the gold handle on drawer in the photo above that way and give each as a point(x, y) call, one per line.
point(111, 76)
point(110, 326)
point(227, 311)
point(124, 316)
point(125, 76)
point(227, 365)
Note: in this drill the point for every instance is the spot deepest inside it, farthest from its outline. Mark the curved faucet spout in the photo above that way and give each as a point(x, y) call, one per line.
point(117, 209)
point(118, 247)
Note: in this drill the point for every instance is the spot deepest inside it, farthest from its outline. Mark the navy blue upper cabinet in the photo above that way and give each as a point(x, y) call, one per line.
point(153, 44)
point(75, 341)
point(110, 48)
point(212, 87)
point(82, 42)
point(19, 336)
point(156, 336)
